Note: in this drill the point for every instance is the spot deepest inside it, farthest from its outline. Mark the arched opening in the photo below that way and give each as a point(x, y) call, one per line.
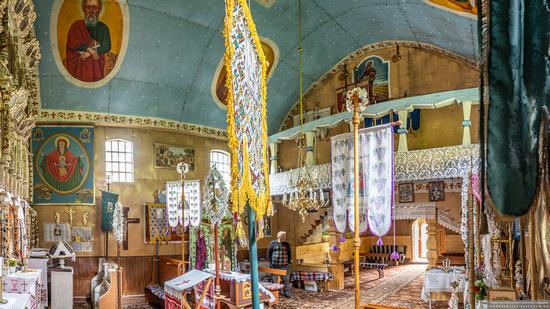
point(419, 241)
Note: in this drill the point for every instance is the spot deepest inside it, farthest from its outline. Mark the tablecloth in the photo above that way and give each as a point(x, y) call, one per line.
point(436, 280)
point(26, 283)
point(42, 264)
point(16, 301)
point(310, 276)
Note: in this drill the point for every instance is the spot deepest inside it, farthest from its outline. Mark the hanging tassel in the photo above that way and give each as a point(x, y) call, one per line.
point(394, 255)
point(334, 248)
point(342, 238)
point(379, 242)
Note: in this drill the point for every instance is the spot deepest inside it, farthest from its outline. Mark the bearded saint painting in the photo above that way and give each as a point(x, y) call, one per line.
point(91, 36)
point(61, 169)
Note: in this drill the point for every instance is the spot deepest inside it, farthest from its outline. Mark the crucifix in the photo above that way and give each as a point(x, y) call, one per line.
point(24, 284)
point(70, 213)
point(126, 222)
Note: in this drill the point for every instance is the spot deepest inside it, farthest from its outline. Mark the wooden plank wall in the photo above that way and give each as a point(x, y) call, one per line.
point(137, 272)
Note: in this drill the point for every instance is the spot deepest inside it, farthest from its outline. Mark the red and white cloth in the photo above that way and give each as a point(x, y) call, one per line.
point(27, 283)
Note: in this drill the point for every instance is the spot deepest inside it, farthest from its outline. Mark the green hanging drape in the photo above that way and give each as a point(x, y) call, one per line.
point(518, 84)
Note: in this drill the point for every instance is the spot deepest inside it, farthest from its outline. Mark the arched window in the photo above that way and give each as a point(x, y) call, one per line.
point(119, 160)
point(222, 161)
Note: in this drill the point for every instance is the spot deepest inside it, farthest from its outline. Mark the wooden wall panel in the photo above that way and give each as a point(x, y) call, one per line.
point(137, 272)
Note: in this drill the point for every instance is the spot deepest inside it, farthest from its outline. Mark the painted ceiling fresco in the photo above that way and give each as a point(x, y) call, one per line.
point(160, 58)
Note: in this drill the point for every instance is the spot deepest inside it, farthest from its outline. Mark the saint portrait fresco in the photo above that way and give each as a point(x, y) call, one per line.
point(91, 38)
point(371, 74)
point(63, 171)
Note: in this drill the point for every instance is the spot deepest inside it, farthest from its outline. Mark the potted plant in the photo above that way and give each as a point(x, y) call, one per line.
point(12, 264)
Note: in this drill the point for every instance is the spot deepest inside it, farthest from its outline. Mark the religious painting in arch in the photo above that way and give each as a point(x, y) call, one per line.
point(465, 8)
point(89, 39)
point(63, 165)
point(373, 74)
point(219, 90)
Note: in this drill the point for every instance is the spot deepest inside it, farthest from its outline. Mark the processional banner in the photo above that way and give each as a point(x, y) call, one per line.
point(375, 180)
point(516, 52)
point(246, 109)
point(63, 165)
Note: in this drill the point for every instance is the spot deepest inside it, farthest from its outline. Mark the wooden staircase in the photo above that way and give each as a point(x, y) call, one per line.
point(315, 221)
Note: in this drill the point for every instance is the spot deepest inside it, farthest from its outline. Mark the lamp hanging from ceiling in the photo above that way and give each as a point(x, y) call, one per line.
point(307, 196)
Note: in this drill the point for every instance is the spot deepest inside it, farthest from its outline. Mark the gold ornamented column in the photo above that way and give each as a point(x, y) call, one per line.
point(402, 131)
point(431, 243)
point(466, 123)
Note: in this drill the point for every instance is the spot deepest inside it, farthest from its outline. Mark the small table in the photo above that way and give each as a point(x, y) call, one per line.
point(437, 280)
point(16, 301)
point(26, 283)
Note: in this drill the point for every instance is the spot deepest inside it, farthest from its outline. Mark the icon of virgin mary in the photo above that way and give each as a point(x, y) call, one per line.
point(62, 170)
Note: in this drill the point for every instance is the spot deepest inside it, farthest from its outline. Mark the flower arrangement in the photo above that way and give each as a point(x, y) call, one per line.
point(480, 287)
point(12, 262)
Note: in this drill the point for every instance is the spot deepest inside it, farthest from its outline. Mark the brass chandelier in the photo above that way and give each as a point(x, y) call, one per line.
point(306, 197)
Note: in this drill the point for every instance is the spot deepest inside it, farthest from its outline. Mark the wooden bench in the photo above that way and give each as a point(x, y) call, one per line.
point(164, 269)
point(276, 286)
point(378, 266)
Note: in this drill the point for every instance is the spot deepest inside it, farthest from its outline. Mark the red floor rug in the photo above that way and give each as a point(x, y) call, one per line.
point(373, 290)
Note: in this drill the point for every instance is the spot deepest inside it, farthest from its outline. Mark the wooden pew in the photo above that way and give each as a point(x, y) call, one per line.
point(164, 269)
point(110, 298)
point(276, 272)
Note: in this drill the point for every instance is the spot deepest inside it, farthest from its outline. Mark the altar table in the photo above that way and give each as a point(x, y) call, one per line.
point(27, 283)
point(437, 280)
point(16, 301)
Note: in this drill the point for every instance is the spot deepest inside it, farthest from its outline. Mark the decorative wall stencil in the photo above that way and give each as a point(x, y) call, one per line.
point(436, 191)
point(129, 121)
point(82, 239)
point(168, 156)
point(89, 39)
point(246, 110)
point(406, 192)
point(63, 165)
point(192, 203)
point(373, 74)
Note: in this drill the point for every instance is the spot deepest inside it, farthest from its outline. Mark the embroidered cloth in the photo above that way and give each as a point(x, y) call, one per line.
point(375, 182)
point(246, 109)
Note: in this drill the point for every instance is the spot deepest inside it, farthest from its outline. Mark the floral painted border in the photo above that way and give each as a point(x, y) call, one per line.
point(104, 119)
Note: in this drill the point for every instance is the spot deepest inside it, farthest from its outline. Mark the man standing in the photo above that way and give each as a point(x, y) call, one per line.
point(279, 256)
point(88, 41)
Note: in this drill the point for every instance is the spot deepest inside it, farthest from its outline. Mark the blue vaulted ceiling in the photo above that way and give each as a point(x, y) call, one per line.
point(175, 47)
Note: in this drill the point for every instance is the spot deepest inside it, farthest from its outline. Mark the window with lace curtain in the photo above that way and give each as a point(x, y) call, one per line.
point(222, 161)
point(119, 160)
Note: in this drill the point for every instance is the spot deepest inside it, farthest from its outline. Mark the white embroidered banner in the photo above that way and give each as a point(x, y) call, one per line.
point(377, 158)
point(192, 203)
point(375, 182)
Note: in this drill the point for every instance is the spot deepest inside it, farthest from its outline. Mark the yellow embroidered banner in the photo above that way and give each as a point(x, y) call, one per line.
point(246, 110)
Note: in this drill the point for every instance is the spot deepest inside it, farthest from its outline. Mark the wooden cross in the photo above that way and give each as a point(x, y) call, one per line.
point(126, 222)
point(70, 212)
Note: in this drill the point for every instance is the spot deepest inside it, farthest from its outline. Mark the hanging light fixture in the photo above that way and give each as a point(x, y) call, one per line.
point(307, 196)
